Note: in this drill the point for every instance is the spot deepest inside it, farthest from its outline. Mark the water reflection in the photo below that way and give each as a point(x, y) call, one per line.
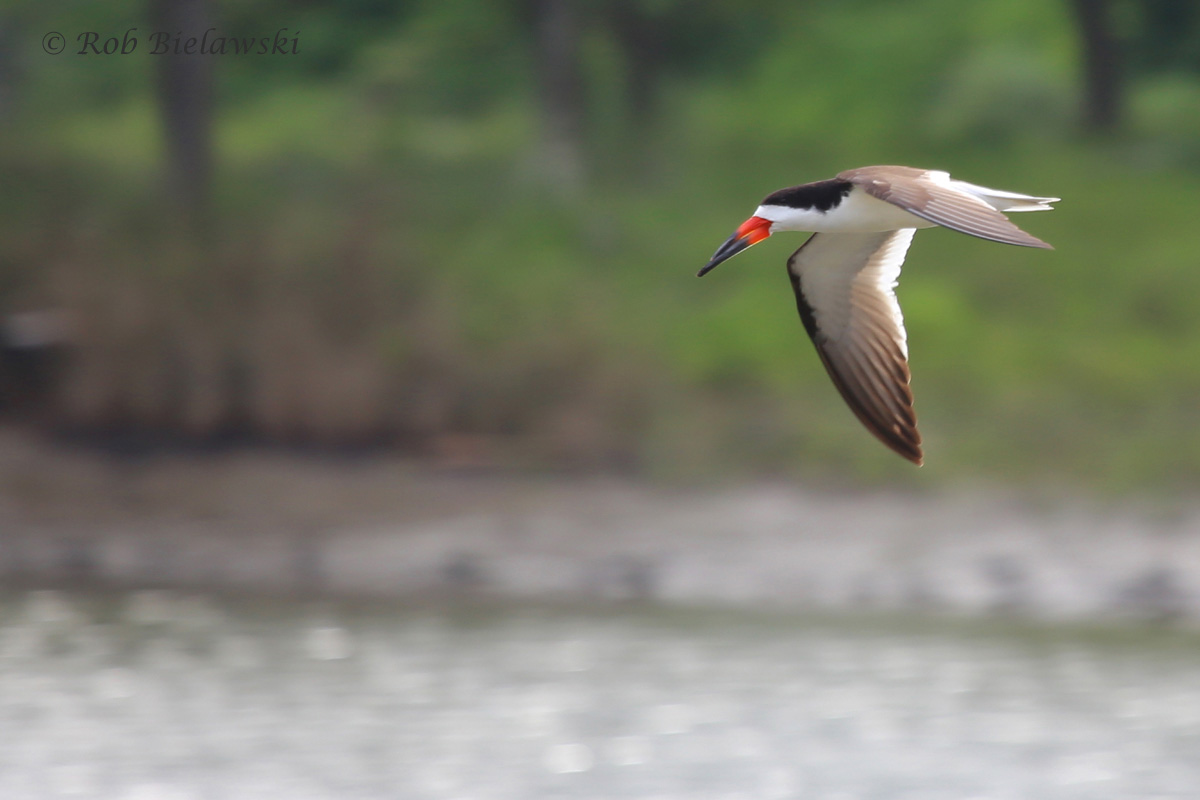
point(156, 695)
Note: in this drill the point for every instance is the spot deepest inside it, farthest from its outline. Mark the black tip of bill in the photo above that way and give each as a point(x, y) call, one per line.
point(733, 245)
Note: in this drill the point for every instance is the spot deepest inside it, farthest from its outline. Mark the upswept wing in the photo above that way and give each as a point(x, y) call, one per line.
point(919, 192)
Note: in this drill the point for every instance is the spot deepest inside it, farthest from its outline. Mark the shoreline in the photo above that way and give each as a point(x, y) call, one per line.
point(381, 527)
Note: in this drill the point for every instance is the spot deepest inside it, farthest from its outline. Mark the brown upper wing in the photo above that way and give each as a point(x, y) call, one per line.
point(843, 284)
point(916, 192)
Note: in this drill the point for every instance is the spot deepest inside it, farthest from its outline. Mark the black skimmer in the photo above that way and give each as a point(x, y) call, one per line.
point(844, 275)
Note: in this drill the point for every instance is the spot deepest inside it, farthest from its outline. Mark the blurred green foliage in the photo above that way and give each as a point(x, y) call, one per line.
point(394, 259)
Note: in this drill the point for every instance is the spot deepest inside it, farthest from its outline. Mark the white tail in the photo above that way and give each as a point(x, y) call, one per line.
point(1006, 201)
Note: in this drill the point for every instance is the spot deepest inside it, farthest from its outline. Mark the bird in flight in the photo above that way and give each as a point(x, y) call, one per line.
point(845, 273)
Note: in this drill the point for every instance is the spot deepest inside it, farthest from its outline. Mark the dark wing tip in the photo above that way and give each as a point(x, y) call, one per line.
point(892, 419)
point(1029, 241)
point(905, 442)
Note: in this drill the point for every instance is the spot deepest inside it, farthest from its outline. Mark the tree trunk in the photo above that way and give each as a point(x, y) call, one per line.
point(185, 94)
point(639, 38)
point(560, 78)
point(1102, 101)
point(8, 68)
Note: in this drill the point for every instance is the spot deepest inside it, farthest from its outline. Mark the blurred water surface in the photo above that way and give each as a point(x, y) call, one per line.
point(160, 695)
